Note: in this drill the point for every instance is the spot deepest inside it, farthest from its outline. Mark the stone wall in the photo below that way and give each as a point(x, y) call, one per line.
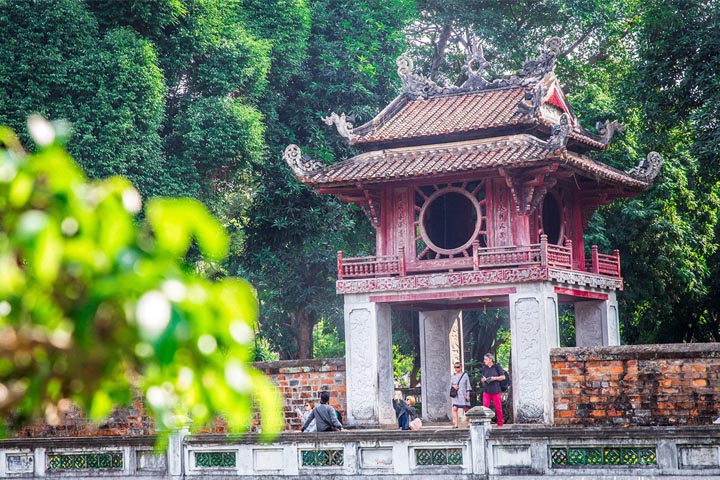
point(301, 380)
point(673, 384)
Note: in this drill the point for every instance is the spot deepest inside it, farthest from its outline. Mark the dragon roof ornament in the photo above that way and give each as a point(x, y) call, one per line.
point(300, 164)
point(342, 123)
point(559, 137)
point(648, 168)
point(418, 86)
point(608, 129)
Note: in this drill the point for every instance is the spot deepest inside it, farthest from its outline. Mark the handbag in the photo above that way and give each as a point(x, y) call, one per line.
point(453, 391)
point(416, 424)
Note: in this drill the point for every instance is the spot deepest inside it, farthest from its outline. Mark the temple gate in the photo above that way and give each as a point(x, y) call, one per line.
point(479, 195)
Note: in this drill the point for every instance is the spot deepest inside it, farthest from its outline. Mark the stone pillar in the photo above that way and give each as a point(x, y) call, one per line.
point(368, 357)
point(479, 426)
point(596, 322)
point(435, 362)
point(534, 331)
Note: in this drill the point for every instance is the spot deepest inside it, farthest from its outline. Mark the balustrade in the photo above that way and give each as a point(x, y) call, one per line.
point(543, 254)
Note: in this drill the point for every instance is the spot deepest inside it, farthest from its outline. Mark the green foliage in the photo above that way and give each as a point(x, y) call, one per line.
point(402, 366)
point(93, 304)
point(326, 341)
point(567, 326)
point(292, 234)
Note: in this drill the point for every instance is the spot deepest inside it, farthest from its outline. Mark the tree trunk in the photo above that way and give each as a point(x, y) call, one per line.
point(305, 322)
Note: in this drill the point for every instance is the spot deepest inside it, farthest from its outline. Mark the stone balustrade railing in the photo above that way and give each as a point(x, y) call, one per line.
point(517, 452)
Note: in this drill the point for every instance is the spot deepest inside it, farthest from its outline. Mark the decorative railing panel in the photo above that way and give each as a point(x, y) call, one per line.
point(603, 456)
point(322, 458)
point(85, 461)
point(438, 456)
point(215, 459)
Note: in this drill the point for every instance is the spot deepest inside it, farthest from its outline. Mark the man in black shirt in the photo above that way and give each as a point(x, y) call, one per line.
point(492, 375)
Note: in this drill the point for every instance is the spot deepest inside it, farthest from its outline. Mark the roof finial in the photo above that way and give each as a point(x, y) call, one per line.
point(648, 168)
point(558, 138)
point(300, 164)
point(417, 86)
point(474, 68)
point(608, 129)
point(545, 63)
point(344, 127)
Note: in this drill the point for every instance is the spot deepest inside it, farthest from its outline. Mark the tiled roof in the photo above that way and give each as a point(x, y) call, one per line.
point(416, 162)
point(406, 119)
point(447, 114)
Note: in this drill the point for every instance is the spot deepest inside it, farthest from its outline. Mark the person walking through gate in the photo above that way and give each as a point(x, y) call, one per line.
point(461, 384)
point(324, 415)
point(492, 375)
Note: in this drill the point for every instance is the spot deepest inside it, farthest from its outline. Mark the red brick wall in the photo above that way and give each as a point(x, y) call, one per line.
point(674, 384)
point(301, 380)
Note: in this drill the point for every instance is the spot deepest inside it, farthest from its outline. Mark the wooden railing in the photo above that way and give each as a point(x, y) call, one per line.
point(542, 254)
point(378, 266)
point(604, 264)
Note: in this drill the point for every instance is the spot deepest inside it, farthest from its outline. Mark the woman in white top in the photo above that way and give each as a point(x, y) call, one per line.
point(461, 383)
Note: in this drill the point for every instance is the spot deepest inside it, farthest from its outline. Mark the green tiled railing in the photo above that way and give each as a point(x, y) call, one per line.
point(603, 455)
point(215, 459)
point(438, 456)
point(85, 461)
point(322, 458)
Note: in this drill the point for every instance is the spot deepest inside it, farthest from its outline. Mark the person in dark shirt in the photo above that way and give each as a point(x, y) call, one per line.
point(324, 415)
point(492, 375)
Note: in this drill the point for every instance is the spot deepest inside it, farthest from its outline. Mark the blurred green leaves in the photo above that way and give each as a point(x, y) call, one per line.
point(95, 303)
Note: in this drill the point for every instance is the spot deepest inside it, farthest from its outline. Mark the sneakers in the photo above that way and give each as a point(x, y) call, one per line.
point(717, 421)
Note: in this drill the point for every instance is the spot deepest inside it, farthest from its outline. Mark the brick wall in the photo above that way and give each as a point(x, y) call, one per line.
point(674, 384)
point(129, 421)
point(302, 380)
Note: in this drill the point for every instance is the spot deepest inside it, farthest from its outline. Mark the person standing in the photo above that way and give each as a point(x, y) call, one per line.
point(326, 419)
point(492, 375)
point(461, 383)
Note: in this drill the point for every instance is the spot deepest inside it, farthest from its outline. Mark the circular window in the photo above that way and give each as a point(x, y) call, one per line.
point(450, 220)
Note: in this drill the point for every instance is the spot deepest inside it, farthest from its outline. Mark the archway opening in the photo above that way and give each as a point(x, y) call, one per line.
point(552, 219)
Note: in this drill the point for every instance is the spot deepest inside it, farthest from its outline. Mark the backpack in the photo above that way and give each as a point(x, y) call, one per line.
point(505, 384)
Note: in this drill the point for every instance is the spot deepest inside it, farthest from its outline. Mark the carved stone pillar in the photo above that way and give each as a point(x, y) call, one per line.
point(368, 358)
point(596, 322)
point(534, 327)
point(435, 361)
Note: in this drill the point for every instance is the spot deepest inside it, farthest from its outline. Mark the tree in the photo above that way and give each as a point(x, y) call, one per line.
point(162, 92)
point(94, 304)
point(674, 236)
point(291, 233)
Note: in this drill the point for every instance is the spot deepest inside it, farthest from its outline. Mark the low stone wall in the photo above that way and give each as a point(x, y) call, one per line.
point(517, 452)
point(672, 384)
point(301, 380)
